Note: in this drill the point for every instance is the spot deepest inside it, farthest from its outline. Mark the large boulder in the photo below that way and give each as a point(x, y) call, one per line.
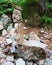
point(31, 53)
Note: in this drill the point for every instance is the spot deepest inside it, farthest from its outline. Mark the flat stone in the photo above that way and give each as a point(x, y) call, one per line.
point(35, 64)
point(2, 60)
point(16, 25)
point(10, 58)
point(20, 62)
point(34, 43)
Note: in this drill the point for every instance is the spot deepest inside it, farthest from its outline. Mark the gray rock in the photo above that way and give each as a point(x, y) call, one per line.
point(34, 43)
point(29, 63)
point(20, 62)
point(13, 49)
point(50, 53)
point(5, 19)
point(17, 16)
point(1, 27)
point(41, 62)
point(48, 61)
point(31, 53)
point(4, 32)
point(9, 27)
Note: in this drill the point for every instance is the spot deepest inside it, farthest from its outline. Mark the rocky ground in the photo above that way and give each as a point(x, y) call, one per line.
point(20, 45)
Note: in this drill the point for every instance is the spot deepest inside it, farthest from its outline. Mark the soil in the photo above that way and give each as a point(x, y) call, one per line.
point(37, 30)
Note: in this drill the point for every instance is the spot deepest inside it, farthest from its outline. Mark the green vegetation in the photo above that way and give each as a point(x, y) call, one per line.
point(29, 10)
point(47, 17)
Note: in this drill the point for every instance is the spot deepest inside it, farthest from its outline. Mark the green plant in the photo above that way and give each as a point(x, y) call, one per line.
point(46, 18)
point(6, 6)
point(46, 21)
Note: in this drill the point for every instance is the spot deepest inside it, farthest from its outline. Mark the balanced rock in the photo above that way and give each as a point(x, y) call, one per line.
point(17, 16)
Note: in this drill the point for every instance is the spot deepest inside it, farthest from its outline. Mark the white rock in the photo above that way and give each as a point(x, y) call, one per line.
point(9, 28)
point(50, 53)
point(20, 62)
point(41, 62)
point(7, 63)
point(9, 41)
point(13, 50)
point(4, 32)
point(24, 28)
point(16, 25)
point(5, 19)
point(2, 60)
point(35, 43)
point(10, 58)
point(35, 64)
